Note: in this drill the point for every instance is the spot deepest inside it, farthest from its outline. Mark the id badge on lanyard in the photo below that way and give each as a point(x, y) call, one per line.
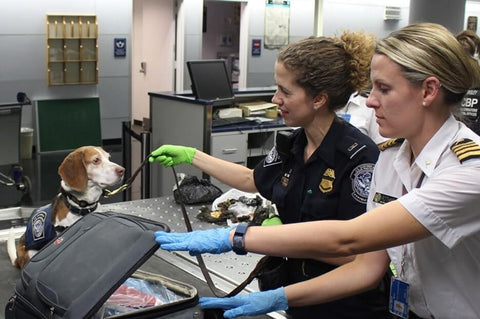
point(398, 303)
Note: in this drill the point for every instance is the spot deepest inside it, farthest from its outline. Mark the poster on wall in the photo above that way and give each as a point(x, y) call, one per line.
point(120, 47)
point(472, 23)
point(277, 23)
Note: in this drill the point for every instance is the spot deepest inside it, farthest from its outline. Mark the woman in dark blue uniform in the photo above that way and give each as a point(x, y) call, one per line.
point(323, 170)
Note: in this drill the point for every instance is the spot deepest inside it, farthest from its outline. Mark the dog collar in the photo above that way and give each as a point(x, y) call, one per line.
point(83, 208)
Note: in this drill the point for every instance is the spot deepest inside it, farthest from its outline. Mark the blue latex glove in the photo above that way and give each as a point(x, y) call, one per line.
point(213, 241)
point(255, 303)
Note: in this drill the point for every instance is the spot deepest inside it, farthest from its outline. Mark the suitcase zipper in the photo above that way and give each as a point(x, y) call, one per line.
point(11, 303)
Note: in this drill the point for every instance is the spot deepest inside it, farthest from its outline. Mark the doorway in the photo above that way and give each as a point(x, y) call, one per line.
point(221, 34)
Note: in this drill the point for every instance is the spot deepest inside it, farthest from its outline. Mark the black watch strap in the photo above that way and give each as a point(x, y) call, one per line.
point(239, 239)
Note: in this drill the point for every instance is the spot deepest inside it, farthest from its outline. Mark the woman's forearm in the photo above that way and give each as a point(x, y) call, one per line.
point(234, 175)
point(362, 274)
point(338, 238)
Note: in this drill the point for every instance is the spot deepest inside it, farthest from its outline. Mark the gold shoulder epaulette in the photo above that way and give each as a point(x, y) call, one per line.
point(391, 142)
point(466, 149)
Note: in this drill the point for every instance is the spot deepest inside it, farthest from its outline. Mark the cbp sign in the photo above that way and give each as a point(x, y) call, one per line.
point(469, 106)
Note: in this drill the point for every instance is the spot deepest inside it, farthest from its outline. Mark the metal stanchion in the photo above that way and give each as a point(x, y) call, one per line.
point(144, 139)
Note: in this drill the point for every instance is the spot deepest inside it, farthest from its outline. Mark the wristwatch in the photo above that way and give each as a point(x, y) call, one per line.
point(239, 239)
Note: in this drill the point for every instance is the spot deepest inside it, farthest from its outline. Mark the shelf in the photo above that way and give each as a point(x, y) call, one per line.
point(72, 49)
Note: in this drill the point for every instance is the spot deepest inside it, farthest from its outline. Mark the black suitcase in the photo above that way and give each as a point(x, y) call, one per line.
point(74, 275)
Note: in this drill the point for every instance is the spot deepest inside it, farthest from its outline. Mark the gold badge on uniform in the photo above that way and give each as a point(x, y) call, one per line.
point(326, 184)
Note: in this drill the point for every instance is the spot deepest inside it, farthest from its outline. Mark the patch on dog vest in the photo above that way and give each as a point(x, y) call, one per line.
point(465, 149)
point(40, 230)
point(391, 142)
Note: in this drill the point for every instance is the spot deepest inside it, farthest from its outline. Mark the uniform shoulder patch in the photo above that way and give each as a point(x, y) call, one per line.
point(272, 158)
point(361, 179)
point(466, 149)
point(391, 142)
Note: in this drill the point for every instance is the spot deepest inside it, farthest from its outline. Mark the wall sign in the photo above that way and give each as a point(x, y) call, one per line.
point(256, 47)
point(120, 47)
point(472, 23)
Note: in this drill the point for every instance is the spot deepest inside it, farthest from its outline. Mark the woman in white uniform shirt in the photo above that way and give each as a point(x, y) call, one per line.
point(424, 203)
point(359, 115)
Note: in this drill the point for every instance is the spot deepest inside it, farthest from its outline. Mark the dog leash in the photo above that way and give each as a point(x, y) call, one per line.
point(128, 182)
point(201, 263)
point(217, 292)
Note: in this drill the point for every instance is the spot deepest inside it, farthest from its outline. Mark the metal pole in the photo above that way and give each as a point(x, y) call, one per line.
point(145, 187)
point(127, 156)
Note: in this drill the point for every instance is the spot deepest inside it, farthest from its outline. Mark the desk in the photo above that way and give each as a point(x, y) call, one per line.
point(180, 119)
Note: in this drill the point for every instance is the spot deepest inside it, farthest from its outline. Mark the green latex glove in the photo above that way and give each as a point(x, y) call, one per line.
point(171, 155)
point(272, 220)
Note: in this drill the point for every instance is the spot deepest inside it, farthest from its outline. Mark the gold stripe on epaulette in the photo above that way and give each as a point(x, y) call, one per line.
point(391, 142)
point(466, 149)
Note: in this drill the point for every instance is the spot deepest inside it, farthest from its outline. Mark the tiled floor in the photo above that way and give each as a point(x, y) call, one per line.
point(41, 171)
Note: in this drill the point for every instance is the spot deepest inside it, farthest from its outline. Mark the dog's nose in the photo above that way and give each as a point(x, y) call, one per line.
point(120, 171)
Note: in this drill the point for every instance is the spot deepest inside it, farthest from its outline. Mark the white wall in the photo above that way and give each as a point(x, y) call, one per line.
point(366, 15)
point(23, 57)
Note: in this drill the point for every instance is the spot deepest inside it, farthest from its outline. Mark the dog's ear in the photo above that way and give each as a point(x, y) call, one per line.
point(73, 171)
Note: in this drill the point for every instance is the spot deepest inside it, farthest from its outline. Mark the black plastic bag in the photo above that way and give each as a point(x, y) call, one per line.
point(195, 191)
point(273, 273)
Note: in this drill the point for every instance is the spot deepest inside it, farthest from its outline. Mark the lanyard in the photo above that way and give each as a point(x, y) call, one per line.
point(404, 247)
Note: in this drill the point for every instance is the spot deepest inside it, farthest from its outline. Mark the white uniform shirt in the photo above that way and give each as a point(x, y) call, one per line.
point(362, 117)
point(443, 270)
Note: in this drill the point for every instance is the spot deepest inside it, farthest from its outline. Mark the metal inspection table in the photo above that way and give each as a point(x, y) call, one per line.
point(227, 270)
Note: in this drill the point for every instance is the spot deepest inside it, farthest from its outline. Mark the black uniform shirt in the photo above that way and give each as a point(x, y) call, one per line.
point(332, 184)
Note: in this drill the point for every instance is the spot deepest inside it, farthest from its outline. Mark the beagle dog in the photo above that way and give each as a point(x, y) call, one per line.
point(85, 173)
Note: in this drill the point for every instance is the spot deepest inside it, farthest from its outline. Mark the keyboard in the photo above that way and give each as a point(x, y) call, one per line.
point(230, 121)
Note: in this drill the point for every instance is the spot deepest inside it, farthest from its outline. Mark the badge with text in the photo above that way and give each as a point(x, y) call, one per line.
point(398, 304)
point(382, 198)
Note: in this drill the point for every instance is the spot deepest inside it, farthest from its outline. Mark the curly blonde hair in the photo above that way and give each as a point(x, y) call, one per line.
point(335, 66)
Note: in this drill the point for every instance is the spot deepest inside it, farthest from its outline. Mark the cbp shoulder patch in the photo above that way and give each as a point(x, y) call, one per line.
point(272, 158)
point(361, 180)
point(391, 142)
point(465, 149)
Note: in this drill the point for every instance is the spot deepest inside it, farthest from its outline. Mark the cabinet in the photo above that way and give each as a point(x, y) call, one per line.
point(72, 49)
point(246, 147)
point(243, 147)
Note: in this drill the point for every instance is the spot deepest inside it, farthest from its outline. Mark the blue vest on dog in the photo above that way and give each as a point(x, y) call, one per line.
point(40, 229)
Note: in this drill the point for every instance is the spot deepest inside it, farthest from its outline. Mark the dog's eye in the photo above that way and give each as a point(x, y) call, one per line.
point(96, 160)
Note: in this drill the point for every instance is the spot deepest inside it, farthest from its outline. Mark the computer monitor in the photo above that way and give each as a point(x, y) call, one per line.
point(210, 80)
